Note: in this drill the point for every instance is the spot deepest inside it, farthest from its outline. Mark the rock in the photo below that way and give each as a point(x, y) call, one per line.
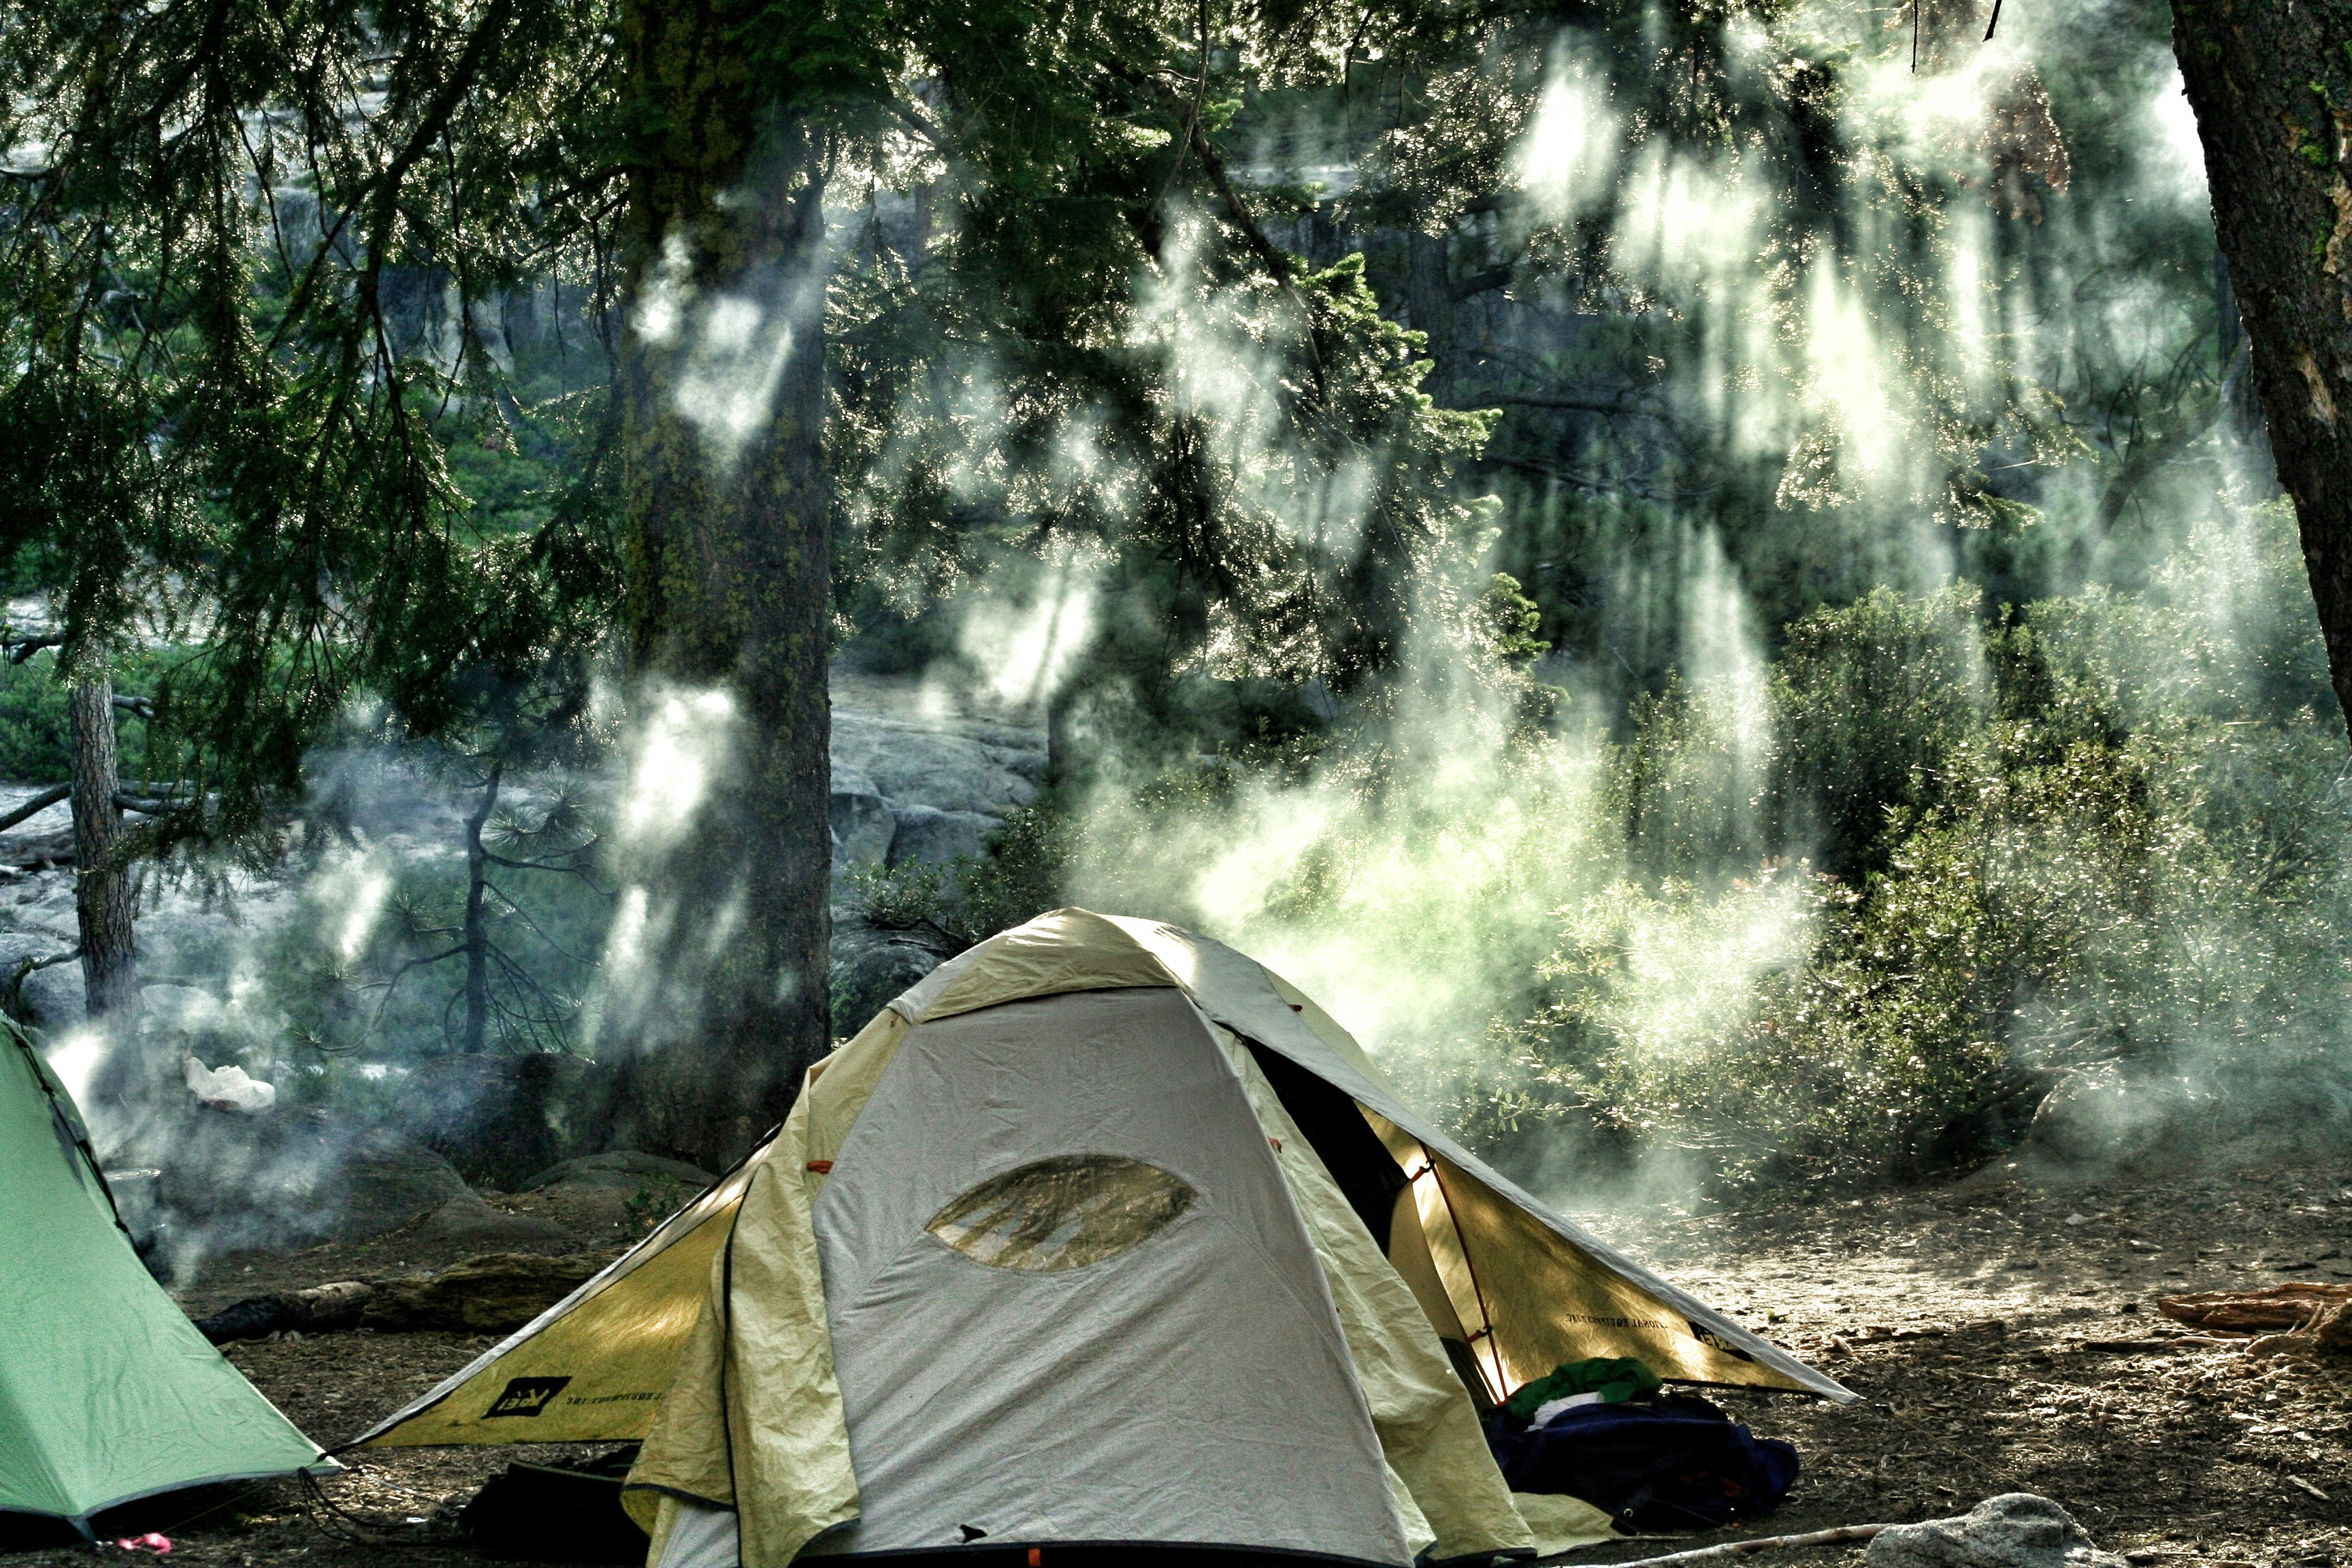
point(499, 1118)
point(863, 826)
point(289, 1179)
point(936, 838)
point(39, 904)
point(623, 1170)
point(2016, 1529)
point(871, 965)
point(496, 1294)
point(468, 1222)
point(54, 998)
point(2097, 1113)
point(936, 762)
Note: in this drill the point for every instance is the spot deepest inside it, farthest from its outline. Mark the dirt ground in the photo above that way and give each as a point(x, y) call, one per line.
point(1999, 1330)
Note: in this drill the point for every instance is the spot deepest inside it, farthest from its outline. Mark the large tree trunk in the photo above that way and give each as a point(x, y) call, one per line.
point(2271, 82)
point(105, 903)
point(718, 980)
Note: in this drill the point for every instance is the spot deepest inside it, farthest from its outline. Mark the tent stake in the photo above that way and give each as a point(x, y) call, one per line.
point(1731, 1549)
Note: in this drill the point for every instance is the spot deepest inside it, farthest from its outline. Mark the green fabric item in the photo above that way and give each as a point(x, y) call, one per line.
point(1615, 1380)
point(107, 1391)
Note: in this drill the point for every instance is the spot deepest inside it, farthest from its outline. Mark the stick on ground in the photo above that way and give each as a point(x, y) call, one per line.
point(1731, 1549)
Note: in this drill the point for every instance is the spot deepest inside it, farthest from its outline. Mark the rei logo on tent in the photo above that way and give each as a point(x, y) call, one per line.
point(525, 1396)
point(1063, 1213)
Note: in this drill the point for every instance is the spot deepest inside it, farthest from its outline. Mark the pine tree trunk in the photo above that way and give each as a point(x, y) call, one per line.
point(2270, 83)
point(104, 900)
point(722, 995)
point(476, 936)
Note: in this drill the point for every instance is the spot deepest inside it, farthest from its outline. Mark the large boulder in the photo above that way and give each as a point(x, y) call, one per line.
point(466, 1223)
point(621, 1170)
point(2100, 1113)
point(499, 1119)
point(2016, 1529)
point(916, 763)
point(55, 998)
point(51, 998)
point(871, 965)
point(291, 1178)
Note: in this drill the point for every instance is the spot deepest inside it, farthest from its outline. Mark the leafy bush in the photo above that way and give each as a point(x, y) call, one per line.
point(1016, 878)
point(1872, 702)
point(2109, 831)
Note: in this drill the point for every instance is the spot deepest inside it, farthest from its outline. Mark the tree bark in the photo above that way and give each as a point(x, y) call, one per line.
point(717, 984)
point(105, 903)
point(102, 892)
point(2270, 83)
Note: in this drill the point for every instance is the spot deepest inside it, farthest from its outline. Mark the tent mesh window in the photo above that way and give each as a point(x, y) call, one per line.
point(1063, 1213)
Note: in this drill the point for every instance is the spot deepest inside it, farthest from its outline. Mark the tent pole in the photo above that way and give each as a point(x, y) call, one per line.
point(1486, 1317)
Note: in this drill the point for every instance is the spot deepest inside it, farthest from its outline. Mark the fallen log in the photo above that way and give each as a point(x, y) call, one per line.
point(320, 1310)
point(494, 1294)
point(2293, 1307)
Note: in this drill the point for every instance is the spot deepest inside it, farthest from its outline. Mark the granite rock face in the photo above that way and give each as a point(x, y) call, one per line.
point(2016, 1529)
point(917, 779)
point(930, 836)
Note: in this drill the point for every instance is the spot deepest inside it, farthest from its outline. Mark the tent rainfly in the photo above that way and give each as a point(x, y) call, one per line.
point(108, 1393)
point(1101, 1236)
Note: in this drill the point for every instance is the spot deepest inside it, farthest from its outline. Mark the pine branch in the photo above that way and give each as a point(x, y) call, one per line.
point(35, 806)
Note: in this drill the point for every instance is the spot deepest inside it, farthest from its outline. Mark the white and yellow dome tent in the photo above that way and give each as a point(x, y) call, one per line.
point(1101, 1235)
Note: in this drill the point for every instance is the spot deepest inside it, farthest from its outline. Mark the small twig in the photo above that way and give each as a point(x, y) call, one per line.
point(1732, 1549)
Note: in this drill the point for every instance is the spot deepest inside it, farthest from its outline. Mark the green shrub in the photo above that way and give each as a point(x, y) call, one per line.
point(1970, 853)
point(35, 733)
point(1872, 700)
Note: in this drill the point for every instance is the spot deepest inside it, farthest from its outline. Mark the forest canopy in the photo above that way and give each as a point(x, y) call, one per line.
point(1742, 536)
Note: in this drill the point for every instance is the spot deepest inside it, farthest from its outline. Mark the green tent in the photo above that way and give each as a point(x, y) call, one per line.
point(107, 1392)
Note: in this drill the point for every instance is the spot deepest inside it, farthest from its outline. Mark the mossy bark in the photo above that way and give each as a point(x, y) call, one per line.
point(102, 893)
point(2272, 87)
point(722, 401)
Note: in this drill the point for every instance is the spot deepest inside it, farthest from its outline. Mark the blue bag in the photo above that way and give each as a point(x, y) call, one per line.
point(1671, 1463)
